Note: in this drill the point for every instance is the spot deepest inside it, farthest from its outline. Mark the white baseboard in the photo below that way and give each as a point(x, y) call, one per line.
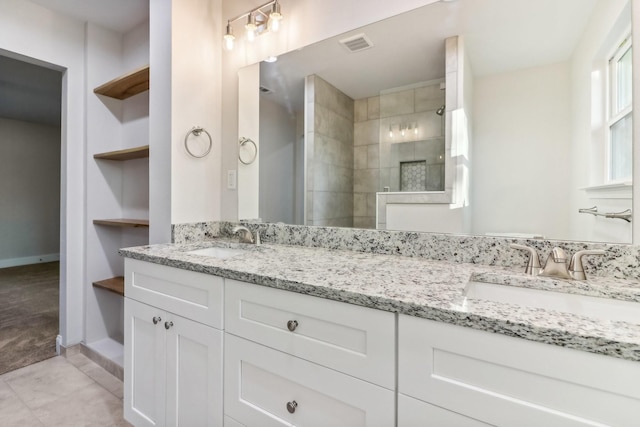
point(35, 259)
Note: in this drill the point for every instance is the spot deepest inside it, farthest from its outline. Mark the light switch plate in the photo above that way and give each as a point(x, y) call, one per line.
point(231, 179)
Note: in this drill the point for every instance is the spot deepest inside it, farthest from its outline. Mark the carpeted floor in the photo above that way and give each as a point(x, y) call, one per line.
point(29, 301)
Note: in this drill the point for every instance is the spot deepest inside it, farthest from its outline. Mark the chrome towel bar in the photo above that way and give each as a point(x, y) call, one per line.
point(625, 215)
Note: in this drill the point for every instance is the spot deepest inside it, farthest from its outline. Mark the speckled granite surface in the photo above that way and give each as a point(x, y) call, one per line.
point(621, 261)
point(410, 285)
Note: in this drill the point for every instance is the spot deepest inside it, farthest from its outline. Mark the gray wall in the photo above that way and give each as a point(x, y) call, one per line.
point(277, 163)
point(29, 192)
point(329, 155)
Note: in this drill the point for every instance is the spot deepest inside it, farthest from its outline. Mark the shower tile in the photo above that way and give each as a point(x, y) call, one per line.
point(397, 103)
point(366, 180)
point(364, 222)
point(431, 126)
point(435, 178)
point(429, 98)
point(360, 204)
point(394, 179)
point(331, 98)
point(384, 178)
point(360, 157)
point(360, 110)
point(309, 209)
point(373, 107)
point(431, 150)
point(371, 204)
point(328, 177)
point(366, 133)
point(329, 123)
point(373, 156)
point(332, 151)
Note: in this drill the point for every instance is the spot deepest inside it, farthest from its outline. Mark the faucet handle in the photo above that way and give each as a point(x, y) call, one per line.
point(533, 265)
point(576, 268)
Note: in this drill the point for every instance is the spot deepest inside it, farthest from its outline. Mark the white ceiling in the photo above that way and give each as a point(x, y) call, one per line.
point(499, 35)
point(117, 15)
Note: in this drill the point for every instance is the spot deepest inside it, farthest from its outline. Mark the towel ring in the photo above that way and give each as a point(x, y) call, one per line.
point(243, 142)
point(197, 130)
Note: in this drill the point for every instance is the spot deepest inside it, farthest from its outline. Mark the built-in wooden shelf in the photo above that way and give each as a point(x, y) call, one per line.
point(115, 285)
point(126, 86)
point(122, 222)
point(127, 154)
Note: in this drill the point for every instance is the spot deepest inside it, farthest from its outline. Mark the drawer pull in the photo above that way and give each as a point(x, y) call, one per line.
point(157, 319)
point(291, 406)
point(292, 325)
point(167, 325)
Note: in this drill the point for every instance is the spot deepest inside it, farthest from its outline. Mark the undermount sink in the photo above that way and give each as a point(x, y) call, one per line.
point(583, 305)
point(220, 253)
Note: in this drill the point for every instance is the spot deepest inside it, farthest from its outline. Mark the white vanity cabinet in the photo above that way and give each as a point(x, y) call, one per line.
point(461, 376)
point(173, 346)
point(293, 359)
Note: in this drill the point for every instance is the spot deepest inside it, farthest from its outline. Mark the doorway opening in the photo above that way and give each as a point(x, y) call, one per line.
point(30, 206)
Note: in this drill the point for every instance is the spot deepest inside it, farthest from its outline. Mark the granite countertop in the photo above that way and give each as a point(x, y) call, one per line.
point(416, 287)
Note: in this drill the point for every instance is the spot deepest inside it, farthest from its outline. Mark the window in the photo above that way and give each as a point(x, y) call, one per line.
point(620, 117)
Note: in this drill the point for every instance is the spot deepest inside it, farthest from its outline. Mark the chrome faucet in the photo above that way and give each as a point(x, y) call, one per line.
point(245, 236)
point(556, 265)
point(576, 269)
point(533, 265)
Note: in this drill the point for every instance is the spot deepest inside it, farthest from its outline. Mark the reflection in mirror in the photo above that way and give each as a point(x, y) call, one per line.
point(363, 138)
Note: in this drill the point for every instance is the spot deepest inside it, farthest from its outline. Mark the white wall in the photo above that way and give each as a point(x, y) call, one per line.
point(185, 91)
point(305, 22)
point(588, 129)
point(29, 193)
point(59, 44)
point(523, 115)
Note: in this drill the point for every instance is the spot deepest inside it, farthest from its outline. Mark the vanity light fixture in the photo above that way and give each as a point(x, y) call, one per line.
point(263, 18)
point(251, 27)
point(229, 37)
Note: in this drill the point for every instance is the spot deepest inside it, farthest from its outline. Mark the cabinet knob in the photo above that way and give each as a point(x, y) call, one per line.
point(292, 325)
point(291, 406)
point(167, 325)
point(156, 320)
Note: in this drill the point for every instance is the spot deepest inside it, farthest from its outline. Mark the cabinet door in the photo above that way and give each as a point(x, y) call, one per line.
point(268, 388)
point(144, 364)
point(194, 373)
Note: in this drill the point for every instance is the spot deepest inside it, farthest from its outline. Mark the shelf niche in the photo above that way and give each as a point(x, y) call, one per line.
point(126, 86)
point(114, 284)
point(141, 152)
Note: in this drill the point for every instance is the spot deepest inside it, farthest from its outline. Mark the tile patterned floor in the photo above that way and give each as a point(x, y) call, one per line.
point(73, 392)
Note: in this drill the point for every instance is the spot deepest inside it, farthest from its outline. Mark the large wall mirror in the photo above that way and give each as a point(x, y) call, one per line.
point(529, 113)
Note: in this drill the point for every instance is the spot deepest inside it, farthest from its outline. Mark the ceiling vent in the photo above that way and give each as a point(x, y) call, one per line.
point(265, 90)
point(356, 43)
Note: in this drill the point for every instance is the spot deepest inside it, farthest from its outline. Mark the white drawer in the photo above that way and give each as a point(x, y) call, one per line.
point(196, 296)
point(260, 383)
point(355, 340)
point(510, 381)
point(416, 413)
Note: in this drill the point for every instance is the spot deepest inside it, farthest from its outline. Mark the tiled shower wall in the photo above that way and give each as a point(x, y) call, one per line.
point(366, 161)
point(329, 155)
point(411, 107)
